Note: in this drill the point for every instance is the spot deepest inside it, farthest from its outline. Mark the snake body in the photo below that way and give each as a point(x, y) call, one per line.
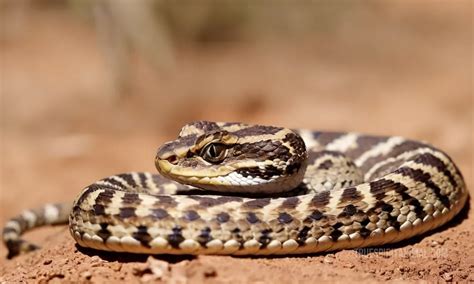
point(232, 188)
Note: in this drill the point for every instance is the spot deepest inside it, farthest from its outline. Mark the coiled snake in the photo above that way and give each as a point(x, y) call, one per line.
point(232, 188)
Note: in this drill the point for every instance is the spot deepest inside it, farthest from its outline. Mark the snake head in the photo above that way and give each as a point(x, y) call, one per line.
point(234, 157)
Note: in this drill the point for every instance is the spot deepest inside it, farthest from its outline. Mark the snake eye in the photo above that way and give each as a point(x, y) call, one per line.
point(214, 152)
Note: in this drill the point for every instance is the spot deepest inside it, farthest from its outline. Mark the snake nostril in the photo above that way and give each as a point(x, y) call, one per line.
point(172, 159)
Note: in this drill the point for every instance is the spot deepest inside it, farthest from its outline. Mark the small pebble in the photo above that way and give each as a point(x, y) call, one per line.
point(87, 275)
point(349, 265)
point(116, 266)
point(328, 260)
point(210, 272)
point(48, 261)
point(448, 276)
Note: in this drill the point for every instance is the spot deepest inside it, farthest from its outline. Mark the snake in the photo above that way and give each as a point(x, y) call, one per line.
point(247, 189)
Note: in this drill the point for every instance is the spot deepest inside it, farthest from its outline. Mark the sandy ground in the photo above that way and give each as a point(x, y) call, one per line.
point(63, 128)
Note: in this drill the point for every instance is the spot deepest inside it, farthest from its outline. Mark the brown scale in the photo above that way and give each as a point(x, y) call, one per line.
point(352, 228)
point(364, 143)
point(325, 138)
point(262, 232)
point(227, 230)
point(258, 151)
point(386, 169)
point(316, 232)
point(293, 229)
point(242, 230)
point(256, 130)
point(405, 146)
point(290, 203)
point(320, 199)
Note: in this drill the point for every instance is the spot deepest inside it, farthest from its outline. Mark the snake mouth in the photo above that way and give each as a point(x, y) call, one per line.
point(200, 179)
point(174, 171)
point(226, 179)
point(164, 166)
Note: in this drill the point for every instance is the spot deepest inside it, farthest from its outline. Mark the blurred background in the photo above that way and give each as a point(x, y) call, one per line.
point(92, 88)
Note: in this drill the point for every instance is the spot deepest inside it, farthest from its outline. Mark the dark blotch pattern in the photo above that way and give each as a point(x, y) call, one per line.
point(206, 201)
point(99, 209)
point(143, 179)
point(131, 198)
point(420, 213)
point(425, 178)
point(91, 188)
point(302, 235)
point(350, 210)
point(266, 173)
point(191, 215)
point(392, 221)
point(15, 247)
point(265, 238)
point(205, 236)
point(235, 231)
point(337, 225)
point(205, 126)
point(165, 201)
point(159, 213)
point(257, 130)
point(127, 212)
point(364, 142)
point(225, 199)
point(252, 218)
point(222, 217)
point(293, 168)
point(186, 141)
point(285, 218)
point(8, 230)
point(129, 179)
point(269, 149)
point(114, 182)
point(316, 215)
point(290, 203)
point(379, 187)
point(364, 232)
point(315, 155)
point(350, 194)
point(397, 150)
point(386, 207)
point(105, 197)
point(321, 199)
point(325, 138)
point(365, 222)
point(176, 237)
point(104, 233)
point(256, 203)
point(335, 234)
point(326, 165)
point(142, 236)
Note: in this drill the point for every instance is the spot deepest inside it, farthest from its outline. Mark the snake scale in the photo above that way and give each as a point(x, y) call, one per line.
point(233, 188)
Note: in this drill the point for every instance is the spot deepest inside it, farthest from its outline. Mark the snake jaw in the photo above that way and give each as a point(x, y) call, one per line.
point(232, 177)
point(163, 166)
point(175, 171)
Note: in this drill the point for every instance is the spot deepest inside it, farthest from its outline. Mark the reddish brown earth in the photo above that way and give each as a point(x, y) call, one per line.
point(406, 71)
